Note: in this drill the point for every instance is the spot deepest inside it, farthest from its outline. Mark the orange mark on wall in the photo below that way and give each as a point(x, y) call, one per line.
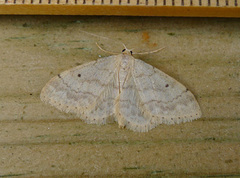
point(145, 37)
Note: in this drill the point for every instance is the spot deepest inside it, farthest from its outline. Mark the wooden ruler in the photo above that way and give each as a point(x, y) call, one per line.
point(185, 8)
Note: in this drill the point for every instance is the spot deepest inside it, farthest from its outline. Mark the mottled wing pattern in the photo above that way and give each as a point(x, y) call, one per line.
point(88, 90)
point(163, 98)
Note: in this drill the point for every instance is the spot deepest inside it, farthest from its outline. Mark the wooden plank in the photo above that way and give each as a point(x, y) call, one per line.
point(183, 8)
point(38, 140)
point(99, 152)
point(139, 10)
point(195, 3)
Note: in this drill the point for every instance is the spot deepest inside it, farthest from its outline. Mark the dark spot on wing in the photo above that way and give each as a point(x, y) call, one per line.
point(59, 76)
point(166, 85)
point(79, 75)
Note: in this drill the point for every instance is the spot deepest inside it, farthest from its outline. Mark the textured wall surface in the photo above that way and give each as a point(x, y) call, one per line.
point(36, 139)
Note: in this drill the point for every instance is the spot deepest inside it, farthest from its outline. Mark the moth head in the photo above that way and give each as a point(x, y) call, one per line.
point(127, 51)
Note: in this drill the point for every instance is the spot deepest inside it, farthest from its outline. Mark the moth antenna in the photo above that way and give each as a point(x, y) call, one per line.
point(149, 52)
point(98, 36)
point(124, 46)
point(105, 50)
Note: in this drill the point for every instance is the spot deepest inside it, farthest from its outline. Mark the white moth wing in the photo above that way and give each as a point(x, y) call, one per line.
point(129, 112)
point(163, 98)
point(88, 90)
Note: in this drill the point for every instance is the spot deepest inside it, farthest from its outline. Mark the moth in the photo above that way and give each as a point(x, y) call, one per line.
point(121, 88)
